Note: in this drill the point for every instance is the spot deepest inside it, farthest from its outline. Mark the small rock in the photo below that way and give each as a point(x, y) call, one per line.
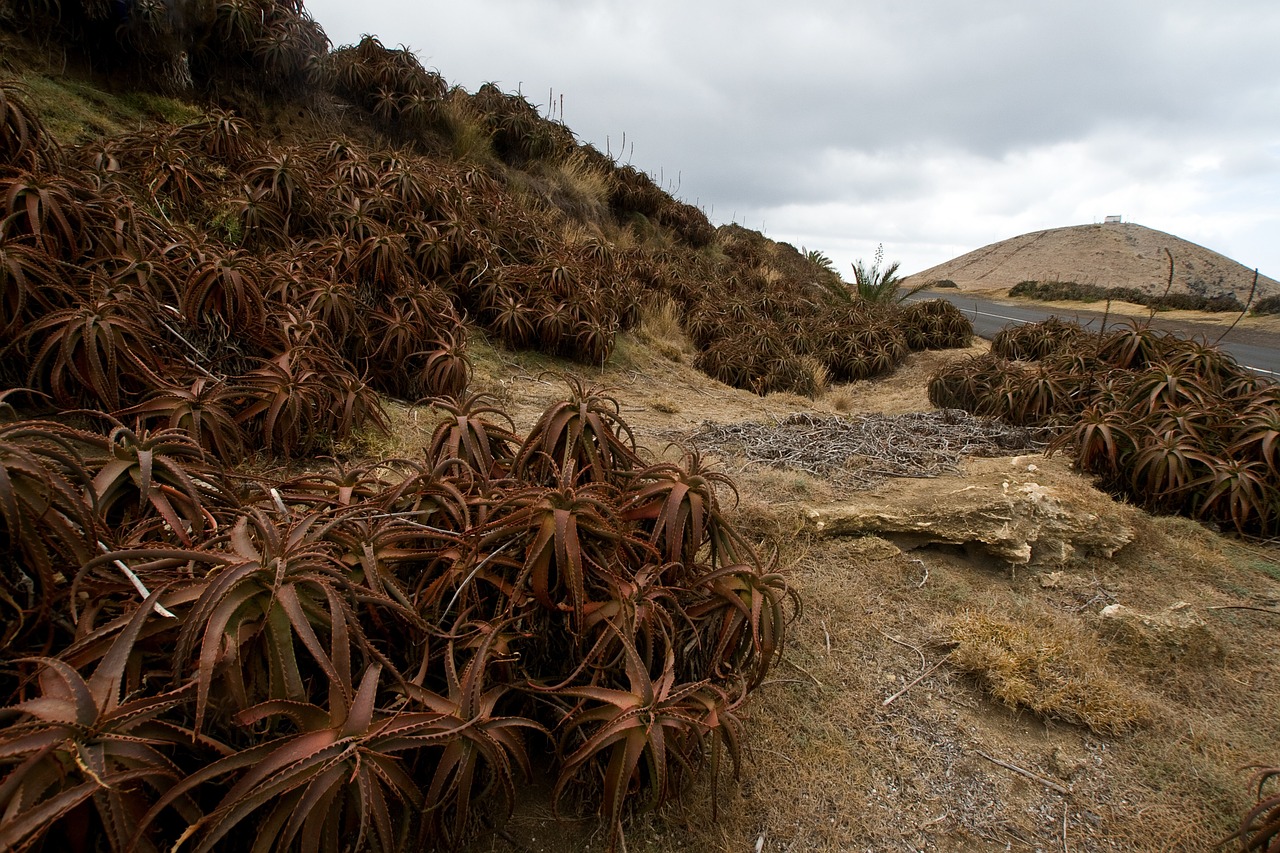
point(1175, 633)
point(1052, 580)
point(1066, 764)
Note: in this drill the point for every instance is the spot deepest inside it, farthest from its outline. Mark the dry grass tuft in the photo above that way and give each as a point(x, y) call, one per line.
point(1047, 665)
point(660, 319)
point(660, 328)
point(768, 274)
point(585, 179)
point(819, 375)
point(839, 399)
point(471, 141)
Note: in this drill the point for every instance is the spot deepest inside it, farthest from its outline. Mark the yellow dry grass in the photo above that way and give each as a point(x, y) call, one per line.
point(1047, 665)
point(470, 139)
point(586, 179)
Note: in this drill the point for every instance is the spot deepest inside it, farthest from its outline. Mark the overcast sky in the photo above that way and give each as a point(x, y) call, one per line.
point(933, 126)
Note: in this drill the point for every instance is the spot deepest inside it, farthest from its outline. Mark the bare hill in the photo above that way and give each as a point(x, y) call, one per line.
point(1109, 255)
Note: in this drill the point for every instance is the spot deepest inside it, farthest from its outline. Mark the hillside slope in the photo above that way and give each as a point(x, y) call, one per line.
point(374, 578)
point(1108, 255)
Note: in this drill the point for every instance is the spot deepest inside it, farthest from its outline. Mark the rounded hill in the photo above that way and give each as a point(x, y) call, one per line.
point(1111, 254)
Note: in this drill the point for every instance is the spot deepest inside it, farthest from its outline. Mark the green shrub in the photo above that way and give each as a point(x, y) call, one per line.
point(1226, 303)
point(1076, 292)
point(1058, 290)
point(1269, 305)
point(1177, 302)
point(1129, 294)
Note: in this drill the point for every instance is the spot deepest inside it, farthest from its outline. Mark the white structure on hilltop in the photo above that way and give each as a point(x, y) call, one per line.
point(1113, 219)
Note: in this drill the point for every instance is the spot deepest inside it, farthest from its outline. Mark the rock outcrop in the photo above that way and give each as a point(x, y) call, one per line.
point(1024, 510)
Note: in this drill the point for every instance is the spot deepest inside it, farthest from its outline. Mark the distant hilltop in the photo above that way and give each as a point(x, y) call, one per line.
point(1111, 254)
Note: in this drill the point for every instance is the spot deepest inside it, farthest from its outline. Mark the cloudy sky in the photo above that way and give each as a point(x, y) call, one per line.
point(932, 126)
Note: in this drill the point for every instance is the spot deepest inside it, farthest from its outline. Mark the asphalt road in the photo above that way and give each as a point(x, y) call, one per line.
point(1257, 351)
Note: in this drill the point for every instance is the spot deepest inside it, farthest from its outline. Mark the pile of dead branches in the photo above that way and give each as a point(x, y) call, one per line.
point(864, 450)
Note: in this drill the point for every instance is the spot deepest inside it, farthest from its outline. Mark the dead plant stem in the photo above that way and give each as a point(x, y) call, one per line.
point(921, 677)
point(805, 671)
point(1022, 771)
point(924, 662)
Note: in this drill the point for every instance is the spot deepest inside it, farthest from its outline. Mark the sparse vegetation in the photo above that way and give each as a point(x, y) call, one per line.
point(1049, 670)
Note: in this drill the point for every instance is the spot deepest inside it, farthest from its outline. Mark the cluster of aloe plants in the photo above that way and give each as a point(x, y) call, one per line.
point(324, 264)
point(270, 45)
point(367, 259)
point(355, 658)
point(351, 658)
point(769, 326)
point(1175, 425)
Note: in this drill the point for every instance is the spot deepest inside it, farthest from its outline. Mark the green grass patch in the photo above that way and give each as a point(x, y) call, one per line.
point(74, 111)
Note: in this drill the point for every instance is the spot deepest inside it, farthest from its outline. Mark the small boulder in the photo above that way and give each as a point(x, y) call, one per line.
point(1176, 633)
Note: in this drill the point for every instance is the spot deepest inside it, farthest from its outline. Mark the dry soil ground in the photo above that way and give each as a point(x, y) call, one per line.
point(929, 701)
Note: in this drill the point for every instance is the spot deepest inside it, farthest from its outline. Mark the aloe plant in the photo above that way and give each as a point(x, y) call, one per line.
point(86, 749)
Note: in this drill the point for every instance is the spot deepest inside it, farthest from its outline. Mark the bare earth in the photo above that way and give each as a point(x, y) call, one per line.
point(900, 715)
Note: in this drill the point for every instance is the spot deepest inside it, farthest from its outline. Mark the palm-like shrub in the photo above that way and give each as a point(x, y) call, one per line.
point(1035, 341)
point(103, 353)
point(485, 447)
point(939, 325)
point(303, 398)
point(89, 754)
point(226, 290)
point(23, 141)
point(874, 283)
point(41, 210)
point(31, 285)
point(583, 438)
point(46, 505)
point(161, 474)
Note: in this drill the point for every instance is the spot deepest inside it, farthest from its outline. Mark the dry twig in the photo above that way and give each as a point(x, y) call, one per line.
point(919, 678)
point(1246, 607)
point(1022, 771)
